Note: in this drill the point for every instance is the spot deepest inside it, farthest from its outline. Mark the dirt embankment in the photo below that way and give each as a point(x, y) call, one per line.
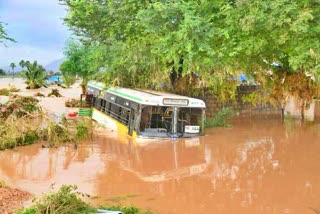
point(12, 199)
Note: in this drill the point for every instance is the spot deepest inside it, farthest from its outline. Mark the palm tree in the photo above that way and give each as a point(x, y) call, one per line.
point(12, 65)
point(22, 63)
point(34, 73)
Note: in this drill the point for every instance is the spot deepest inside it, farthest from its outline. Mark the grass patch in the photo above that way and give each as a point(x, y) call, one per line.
point(221, 119)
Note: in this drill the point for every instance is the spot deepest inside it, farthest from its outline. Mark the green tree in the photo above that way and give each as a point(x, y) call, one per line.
point(12, 65)
point(78, 62)
point(275, 40)
point(3, 34)
point(2, 72)
point(148, 44)
point(34, 74)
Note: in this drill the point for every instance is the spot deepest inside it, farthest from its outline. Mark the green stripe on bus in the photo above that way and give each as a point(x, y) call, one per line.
point(85, 112)
point(125, 95)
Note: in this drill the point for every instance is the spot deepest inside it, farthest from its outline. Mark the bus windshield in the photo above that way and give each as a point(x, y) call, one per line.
point(163, 120)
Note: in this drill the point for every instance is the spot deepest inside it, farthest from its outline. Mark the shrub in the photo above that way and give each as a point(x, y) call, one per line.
point(54, 92)
point(65, 201)
point(30, 137)
point(4, 92)
point(72, 103)
point(68, 79)
point(3, 184)
point(221, 118)
point(83, 130)
point(13, 88)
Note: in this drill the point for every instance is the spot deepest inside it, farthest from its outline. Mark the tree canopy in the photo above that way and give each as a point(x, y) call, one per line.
point(153, 43)
point(79, 61)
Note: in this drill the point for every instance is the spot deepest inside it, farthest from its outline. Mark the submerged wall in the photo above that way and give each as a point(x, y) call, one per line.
point(293, 109)
point(242, 109)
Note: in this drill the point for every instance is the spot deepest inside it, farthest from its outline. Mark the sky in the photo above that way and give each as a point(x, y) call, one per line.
point(37, 26)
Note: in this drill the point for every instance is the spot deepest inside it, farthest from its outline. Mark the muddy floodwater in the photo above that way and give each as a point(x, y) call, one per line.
point(254, 167)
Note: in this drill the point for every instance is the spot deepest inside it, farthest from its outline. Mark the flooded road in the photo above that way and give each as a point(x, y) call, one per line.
point(254, 167)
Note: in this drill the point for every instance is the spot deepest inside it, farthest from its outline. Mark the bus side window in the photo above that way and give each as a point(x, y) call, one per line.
point(101, 103)
point(146, 118)
point(107, 107)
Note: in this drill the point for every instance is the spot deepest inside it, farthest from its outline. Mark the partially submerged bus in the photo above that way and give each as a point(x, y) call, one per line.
point(145, 113)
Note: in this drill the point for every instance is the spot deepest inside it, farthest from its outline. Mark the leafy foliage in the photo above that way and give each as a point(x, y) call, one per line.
point(148, 44)
point(66, 200)
point(34, 74)
point(68, 79)
point(184, 46)
point(78, 62)
point(3, 34)
point(221, 118)
point(275, 41)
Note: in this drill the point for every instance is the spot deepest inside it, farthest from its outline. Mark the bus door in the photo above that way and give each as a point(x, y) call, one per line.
point(131, 123)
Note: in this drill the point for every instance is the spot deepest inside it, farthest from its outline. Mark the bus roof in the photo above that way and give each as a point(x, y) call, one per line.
point(153, 98)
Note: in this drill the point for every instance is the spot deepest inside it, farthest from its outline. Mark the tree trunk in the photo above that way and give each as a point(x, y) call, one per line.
point(282, 114)
point(84, 88)
point(302, 110)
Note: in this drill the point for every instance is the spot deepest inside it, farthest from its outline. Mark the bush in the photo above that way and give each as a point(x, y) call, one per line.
point(54, 92)
point(54, 134)
point(72, 103)
point(67, 200)
point(220, 119)
point(68, 79)
point(83, 131)
point(4, 92)
point(30, 137)
point(13, 88)
point(3, 184)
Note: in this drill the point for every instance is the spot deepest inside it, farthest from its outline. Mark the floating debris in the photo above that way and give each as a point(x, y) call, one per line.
point(54, 93)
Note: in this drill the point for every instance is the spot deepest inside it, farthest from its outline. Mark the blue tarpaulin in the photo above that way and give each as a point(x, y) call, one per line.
point(243, 78)
point(54, 79)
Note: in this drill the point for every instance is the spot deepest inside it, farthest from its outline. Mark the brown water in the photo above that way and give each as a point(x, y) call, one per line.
point(254, 167)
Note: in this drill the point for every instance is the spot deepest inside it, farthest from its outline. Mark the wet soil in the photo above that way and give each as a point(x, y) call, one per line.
point(12, 199)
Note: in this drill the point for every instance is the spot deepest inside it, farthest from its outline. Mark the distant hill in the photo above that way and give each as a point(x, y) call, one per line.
point(54, 65)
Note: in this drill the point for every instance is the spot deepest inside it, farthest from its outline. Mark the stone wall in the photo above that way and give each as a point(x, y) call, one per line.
point(241, 108)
